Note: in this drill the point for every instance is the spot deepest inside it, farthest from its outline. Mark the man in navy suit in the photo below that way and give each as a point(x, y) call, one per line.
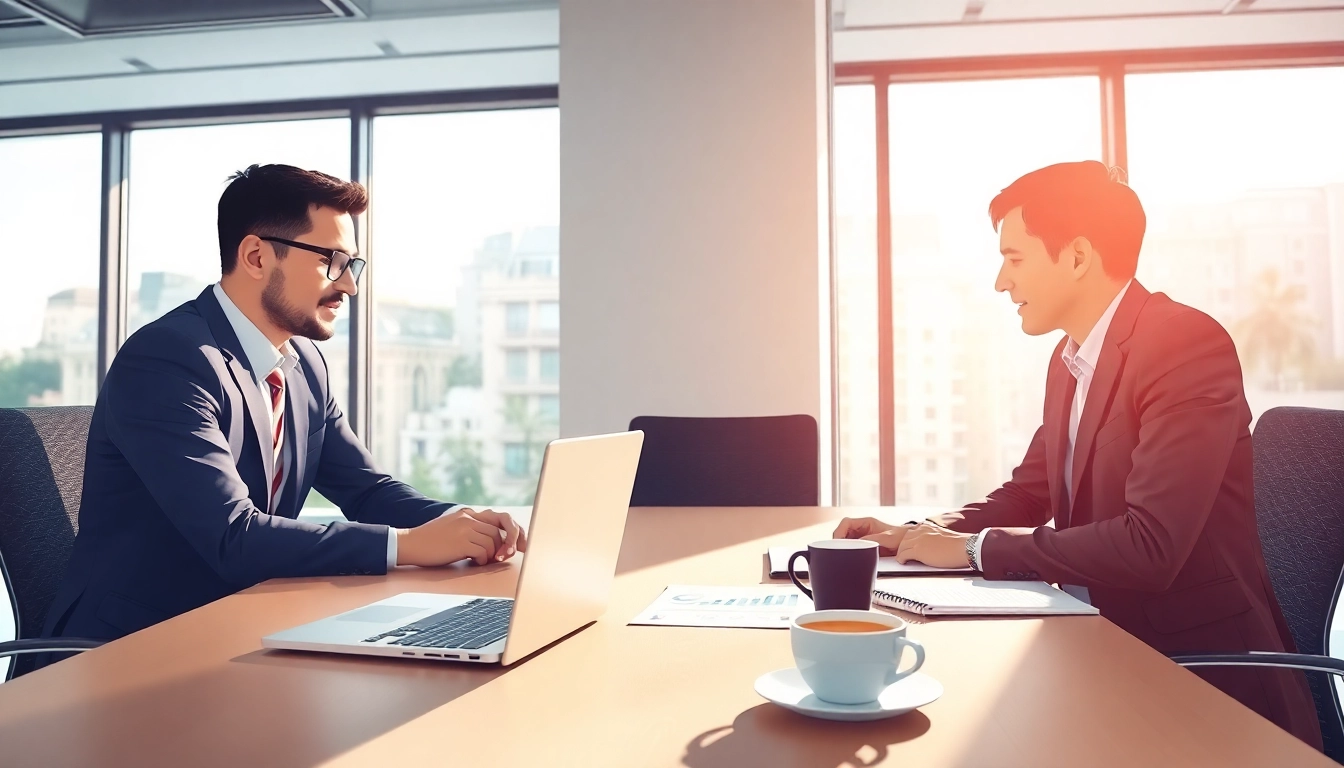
point(216, 420)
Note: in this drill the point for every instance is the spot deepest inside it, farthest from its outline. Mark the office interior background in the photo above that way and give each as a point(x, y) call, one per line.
point(813, 240)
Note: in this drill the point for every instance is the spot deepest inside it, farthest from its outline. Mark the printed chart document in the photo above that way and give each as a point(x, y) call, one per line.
point(886, 566)
point(755, 607)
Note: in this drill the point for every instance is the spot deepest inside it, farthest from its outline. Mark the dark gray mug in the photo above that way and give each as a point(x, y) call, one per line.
point(842, 573)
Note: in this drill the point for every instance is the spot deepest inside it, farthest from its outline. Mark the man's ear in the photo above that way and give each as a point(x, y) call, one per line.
point(1081, 252)
point(250, 253)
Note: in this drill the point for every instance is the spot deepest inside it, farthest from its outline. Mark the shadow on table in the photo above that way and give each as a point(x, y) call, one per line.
point(422, 576)
point(770, 735)
point(657, 535)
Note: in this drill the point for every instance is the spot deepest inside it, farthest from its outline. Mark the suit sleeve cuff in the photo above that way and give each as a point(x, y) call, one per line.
point(976, 557)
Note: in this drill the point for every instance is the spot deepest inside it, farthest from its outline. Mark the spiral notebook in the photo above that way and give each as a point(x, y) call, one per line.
point(977, 597)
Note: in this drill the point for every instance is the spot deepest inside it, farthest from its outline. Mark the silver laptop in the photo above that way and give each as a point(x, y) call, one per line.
point(573, 540)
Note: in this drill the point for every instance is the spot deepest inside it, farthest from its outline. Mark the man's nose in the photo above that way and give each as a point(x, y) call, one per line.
point(346, 284)
point(1001, 281)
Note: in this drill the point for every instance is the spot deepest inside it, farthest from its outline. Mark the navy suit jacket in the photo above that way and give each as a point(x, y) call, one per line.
point(174, 508)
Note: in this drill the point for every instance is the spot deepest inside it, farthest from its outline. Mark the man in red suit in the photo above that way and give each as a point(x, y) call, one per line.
point(1144, 457)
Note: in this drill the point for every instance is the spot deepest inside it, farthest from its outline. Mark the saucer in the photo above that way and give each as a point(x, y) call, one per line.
point(786, 688)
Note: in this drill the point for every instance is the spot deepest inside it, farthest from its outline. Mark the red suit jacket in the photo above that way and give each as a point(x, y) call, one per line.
point(1161, 526)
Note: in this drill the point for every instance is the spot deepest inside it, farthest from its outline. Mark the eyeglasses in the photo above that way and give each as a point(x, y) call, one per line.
point(337, 261)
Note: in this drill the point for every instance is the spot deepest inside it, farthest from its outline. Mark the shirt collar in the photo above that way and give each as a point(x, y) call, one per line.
point(261, 354)
point(1085, 355)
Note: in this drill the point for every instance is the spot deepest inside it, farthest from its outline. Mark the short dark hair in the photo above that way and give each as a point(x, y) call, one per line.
point(274, 200)
point(1067, 200)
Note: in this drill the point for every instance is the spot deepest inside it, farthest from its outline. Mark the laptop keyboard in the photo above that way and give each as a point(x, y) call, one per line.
point(471, 625)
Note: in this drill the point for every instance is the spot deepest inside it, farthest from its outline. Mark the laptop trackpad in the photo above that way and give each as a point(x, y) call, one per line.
point(380, 614)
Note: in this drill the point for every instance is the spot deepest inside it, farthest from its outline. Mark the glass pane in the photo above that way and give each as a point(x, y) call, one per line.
point(961, 357)
point(550, 365)
point(855, 141)
point(173, 238)
point(517, 364)
point(471, 199)
point(515, 314)
point(49, 214)
point(548, 317)
point(548, 408)
point(1242, 179)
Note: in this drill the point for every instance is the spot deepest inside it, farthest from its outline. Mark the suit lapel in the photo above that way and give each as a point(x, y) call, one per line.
point(243, 378)
point(1060, 388)
point(1104, 381)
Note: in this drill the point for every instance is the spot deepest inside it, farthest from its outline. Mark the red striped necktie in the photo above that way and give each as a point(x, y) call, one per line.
point(276, 379)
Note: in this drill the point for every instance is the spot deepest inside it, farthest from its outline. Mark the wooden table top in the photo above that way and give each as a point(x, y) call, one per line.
point(200, 690)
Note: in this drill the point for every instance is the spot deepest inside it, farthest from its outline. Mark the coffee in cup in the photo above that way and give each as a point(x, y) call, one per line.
point(848, 656)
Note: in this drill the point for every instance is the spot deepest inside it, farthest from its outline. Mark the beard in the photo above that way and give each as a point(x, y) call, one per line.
point(288, 317)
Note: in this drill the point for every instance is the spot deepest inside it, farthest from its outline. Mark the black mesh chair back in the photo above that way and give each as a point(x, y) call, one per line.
point(1299, 508)
point(764, 461)
point(41, 476)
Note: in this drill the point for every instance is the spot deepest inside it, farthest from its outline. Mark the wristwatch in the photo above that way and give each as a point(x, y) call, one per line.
point(972, 543)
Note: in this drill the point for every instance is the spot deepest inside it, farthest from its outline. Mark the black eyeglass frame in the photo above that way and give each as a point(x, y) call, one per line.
point(353, 263)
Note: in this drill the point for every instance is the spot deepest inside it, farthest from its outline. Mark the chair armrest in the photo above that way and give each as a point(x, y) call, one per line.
point(48, 645)
point(1303, 661)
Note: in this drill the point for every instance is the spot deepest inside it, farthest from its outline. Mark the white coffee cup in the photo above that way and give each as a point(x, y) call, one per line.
point(851, 667)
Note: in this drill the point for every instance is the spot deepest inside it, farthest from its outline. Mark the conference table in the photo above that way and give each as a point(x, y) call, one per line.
point(199, 690)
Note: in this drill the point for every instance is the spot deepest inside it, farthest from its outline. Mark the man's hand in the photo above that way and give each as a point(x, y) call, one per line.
point(887, 536)
point(934, 545)
point(515, 538)
point(483, 535)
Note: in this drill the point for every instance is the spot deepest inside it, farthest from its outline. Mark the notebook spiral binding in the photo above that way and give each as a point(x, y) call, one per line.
point(896, 601)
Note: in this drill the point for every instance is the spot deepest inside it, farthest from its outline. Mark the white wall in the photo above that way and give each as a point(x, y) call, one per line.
point(694, 215)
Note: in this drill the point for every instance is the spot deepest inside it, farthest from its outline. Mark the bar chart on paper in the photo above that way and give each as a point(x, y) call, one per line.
point(762, 607)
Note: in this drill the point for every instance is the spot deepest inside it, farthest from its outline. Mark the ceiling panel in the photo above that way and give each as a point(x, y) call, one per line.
point(385, 8)
point(89, 18)
point(1022, 10)
point(887, 13)
point(1289, 5)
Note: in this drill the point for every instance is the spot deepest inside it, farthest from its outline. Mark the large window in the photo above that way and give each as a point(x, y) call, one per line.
point(464, 276)
point(1242, 177)
point(177, 176)
point(1239, 171)
point(968, 384)
point(466, 263)
point(49, 217)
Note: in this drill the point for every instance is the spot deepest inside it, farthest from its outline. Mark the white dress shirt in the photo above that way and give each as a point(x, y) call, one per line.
point(1081, 361)
point(264, 358)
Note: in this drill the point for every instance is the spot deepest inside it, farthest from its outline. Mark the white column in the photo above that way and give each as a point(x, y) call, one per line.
point(694, 212)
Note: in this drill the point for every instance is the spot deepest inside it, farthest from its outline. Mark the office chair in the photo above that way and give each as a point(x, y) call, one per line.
point(41, 476)
point(766, 461)
point(1299, 509)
